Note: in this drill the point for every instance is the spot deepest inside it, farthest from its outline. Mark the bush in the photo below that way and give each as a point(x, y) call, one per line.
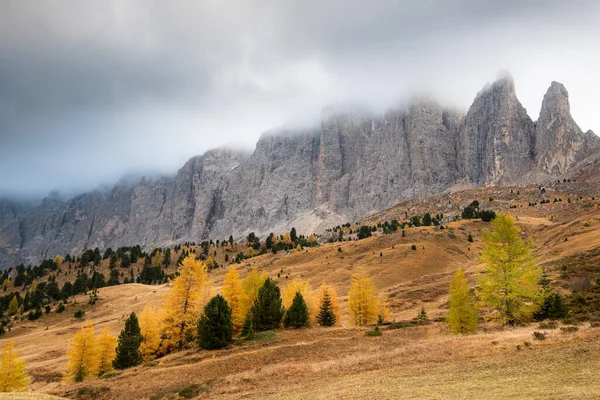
point(569, 329)
point(215, 328)
point(539, 335)
point(548, 325)
point(553, 308)
point(400, 325)
point(375, 332)
point(297, 315)
point(79, 314)
point(34, 314)
point(60, 308)
point(413, 247)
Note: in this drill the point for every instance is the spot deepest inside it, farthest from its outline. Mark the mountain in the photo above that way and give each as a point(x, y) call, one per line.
point(350, 166)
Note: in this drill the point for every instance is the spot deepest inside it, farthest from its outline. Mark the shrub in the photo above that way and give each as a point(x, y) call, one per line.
point(215, 328)
point(375, 332)
point(548, 325)
point(400, 325)
point(569, 329)
point(60, 308)
point(539, 335)
point(553, 308)
point(413, 247)
point(79, 314)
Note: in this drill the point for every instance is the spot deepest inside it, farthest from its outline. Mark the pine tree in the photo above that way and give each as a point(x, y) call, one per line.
point(215, 328)
point(13, 306)
point(462, 317)
point(107, 344)
point(298, 285)
point(267, 311)
point(363, 303)
point(297, 315)
point(83, 354)
point(250, 287)
point(150, 330)
point(183, 305)
point(13, 375)
point(511, 282)
point(327, 291)
point(232, 292)
point(128, 349)
point(167, 259)
point(326, 316)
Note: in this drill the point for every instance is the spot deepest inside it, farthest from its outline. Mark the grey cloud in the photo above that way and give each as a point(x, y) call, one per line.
point(90, 90)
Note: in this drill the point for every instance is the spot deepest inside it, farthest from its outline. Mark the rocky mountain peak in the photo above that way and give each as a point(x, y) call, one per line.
point(560, 142)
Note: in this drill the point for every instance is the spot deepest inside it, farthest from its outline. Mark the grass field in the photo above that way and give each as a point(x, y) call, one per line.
point(319, 363)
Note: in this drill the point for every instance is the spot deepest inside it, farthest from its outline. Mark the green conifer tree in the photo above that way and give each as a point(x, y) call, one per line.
point(326, 316)
point(128, 349)
point(267, 311)
point(297, 315)
point(215, 328)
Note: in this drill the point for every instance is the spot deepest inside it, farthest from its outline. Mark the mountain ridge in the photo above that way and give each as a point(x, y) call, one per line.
point(353, 164)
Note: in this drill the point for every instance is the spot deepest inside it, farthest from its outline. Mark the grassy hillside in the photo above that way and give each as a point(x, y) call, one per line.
point(416, 362)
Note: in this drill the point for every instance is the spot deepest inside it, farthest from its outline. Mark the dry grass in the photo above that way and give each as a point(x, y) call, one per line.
point(418, 362)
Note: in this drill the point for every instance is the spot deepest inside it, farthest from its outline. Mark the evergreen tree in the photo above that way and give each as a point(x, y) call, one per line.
point(327, 313)
point(215, 328)
point(297, 315)
point(554, 307)
point(13, 375)
point(427, 219)
point(167, 259)
point(128, 349)
point(267, 311)
point(293, 235)
point(462, 317)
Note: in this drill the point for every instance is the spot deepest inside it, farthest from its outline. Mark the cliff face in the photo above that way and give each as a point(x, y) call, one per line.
point(351, 165)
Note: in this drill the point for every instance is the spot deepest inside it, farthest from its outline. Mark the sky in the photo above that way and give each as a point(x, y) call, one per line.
point(91, 91)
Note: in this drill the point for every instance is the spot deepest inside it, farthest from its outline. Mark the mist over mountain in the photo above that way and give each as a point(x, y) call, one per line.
point(352, 164)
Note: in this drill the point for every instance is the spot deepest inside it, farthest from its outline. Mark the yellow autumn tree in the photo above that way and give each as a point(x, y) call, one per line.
point(250, 285)
point(150, 329)
point(313, 238)
point(363, 303)
point(183, 305)
point(232, 292)
point(328, 291)
point(462, 317)
point(13, 306)
point(13, 375)
point(106, 347)
point(287, 238)
point(156, 258)
point(83, 354)
point(5, 284)
point(57, 260)
point(384, 308)
point(510, 284)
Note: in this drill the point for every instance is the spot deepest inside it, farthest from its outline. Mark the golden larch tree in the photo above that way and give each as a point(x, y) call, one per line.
point(150, 329)
point(462, 317)
point(335, 305)
point(183, 304)
point(156, 258)
point(13, 306)
point(250, 286)
point(13, 375)
point(287, 238)
point(5, 284)
point(363, 303)
point(83, 354)
point(107, 345)
point(510, 284)
point(58, 261)
point(232, 292)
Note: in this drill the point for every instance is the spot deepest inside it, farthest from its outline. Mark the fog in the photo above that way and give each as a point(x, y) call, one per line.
point(94, 90)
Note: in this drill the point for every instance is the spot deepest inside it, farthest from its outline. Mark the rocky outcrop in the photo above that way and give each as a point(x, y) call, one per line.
point(349, 166)
point(560, 142)
point(497, 137)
